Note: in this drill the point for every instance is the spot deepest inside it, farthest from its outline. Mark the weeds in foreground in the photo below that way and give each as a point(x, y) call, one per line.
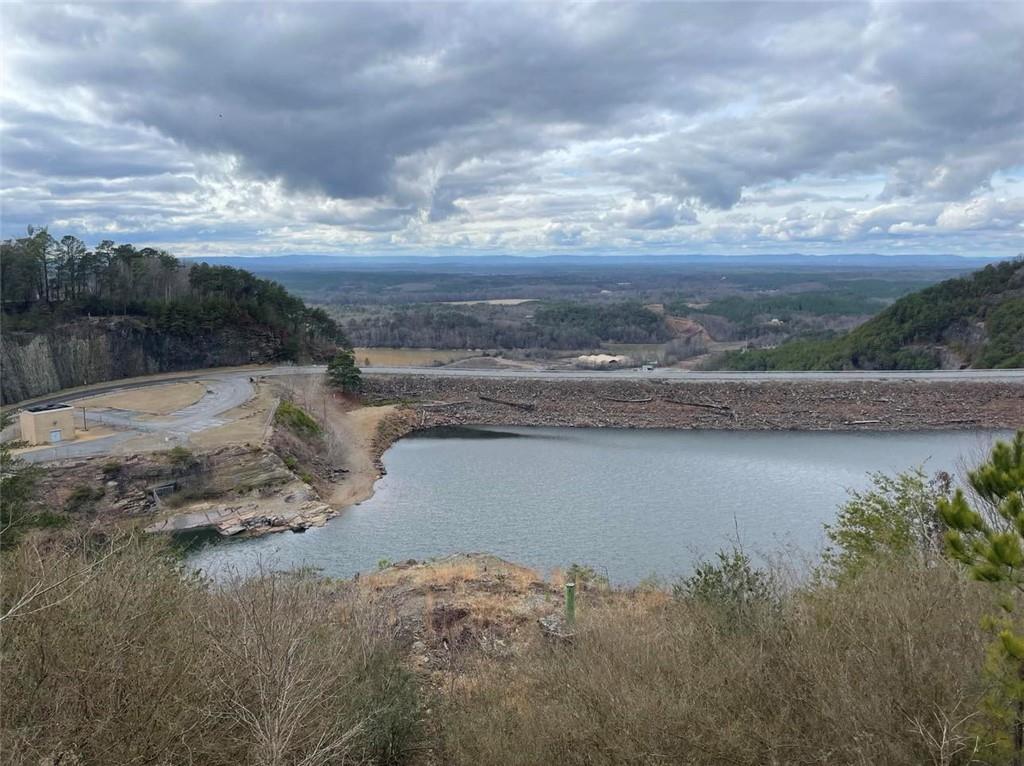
point(112, 653)
point(134, 660)
point(883, 670)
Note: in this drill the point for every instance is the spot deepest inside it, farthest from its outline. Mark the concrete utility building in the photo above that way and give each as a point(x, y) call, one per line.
point(48, 424)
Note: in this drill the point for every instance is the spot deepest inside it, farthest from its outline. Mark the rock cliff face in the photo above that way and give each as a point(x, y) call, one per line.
point(100, 349)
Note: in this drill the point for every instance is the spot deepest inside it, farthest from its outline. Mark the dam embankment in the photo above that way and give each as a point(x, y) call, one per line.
point(901, 405)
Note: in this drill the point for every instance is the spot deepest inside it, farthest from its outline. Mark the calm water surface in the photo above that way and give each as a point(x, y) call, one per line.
point(629, 503)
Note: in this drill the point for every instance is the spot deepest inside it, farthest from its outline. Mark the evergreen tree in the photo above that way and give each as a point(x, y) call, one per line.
point(343, 373)
point(992, 549)
point(17, 482)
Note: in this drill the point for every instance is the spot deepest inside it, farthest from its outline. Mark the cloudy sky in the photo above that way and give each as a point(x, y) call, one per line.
point(517, 128)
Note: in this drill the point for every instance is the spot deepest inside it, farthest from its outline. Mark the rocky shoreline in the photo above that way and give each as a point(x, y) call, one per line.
point(249, 491)
point(773, 405)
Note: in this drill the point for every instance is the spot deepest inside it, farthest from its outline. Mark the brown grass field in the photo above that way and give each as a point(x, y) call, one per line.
point(152, 400)
point(410, 357)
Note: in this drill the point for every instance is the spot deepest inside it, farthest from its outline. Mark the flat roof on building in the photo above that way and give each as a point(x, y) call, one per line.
point(48, 407)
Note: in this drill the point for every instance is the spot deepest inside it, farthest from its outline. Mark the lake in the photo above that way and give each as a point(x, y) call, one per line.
point(630, 503)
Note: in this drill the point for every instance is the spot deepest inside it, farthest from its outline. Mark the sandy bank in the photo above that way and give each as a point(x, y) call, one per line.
point(371, 431)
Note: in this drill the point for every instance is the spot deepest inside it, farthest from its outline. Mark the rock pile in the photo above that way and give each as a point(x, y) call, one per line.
point(781, 405)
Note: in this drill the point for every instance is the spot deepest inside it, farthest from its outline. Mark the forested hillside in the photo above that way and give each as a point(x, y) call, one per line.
point(554, 325)
point(73, 316)
point(972, 321)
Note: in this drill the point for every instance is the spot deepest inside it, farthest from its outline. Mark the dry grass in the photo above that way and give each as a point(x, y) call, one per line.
point(113, 655)
point(131, 662)
point(456, 571)
point(885, 671)
point(409, 357)
point(152, 400)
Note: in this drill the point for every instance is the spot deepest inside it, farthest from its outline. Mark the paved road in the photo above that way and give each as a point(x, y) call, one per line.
point(687, 376)
point(224, 392)
point(238, 379)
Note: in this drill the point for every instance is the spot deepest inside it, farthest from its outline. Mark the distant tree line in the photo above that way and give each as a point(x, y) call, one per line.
point(45, 281)
point(556, 325)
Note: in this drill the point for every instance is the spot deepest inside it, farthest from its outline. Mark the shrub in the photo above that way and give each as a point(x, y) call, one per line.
point(129, 659)
point(83, 498)
point(181, 457)
point(732, 586)
point(295, 419)
point(897, 517)
point(17, 487)
point(882, 670)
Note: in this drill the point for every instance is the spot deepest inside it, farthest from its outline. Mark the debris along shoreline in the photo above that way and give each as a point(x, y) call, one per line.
point(762, 405)
point(248, 491)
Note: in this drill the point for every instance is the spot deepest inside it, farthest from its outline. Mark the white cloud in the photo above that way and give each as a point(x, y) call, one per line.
point(627, 128)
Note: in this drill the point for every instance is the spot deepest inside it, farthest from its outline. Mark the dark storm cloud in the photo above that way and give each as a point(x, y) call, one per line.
point(332, 95)
point(428, 107)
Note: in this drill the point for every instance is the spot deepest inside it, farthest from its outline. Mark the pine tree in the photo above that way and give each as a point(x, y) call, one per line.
point(992, 549)
point(343, 373)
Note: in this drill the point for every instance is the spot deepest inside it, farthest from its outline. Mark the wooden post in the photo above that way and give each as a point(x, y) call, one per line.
point(85, 421)
point(570, 603)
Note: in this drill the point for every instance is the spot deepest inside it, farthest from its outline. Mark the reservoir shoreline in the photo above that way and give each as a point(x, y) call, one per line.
point(426, 403)
point(633, 501)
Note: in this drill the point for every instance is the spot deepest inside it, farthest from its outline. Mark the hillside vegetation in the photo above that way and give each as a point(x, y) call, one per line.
point(46, 281)
point(550, 325)
point(74, 316)
point(971, 321)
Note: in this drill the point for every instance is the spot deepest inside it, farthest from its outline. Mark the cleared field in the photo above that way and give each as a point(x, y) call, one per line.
point(492, 302)
point(638, 350)
point(410, 357)
point(152, 400)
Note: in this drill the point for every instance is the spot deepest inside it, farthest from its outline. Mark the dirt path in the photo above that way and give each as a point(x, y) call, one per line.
point(360, 426)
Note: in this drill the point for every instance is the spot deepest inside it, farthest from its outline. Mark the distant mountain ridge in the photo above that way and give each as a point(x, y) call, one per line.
point(971, 321)
point(474, 263)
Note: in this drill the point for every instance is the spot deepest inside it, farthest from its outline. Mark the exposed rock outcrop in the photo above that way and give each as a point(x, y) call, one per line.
point(231, 490)
point(94, 350)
